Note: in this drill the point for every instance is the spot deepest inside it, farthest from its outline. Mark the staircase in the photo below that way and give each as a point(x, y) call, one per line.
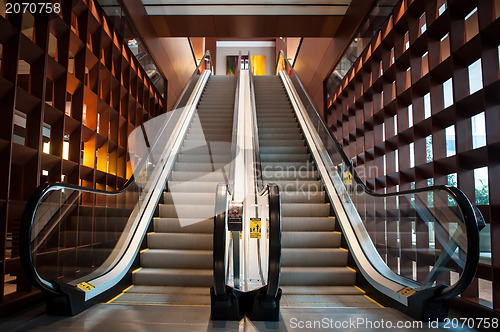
point(177, 266)
point(313, 263)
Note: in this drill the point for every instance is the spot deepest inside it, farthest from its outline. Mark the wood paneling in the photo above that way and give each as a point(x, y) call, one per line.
point(411, 86)
point(317, 57)
point(71, 92)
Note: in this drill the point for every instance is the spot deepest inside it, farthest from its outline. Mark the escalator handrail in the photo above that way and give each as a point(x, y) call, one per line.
point(274, 264)
point(473, 219)
point(219, 239)
point(42, 191)
point(256, 147)
point(234, 139)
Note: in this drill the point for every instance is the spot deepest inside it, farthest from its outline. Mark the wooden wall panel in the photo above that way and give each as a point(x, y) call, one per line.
point(436, 66)
point(70, 93)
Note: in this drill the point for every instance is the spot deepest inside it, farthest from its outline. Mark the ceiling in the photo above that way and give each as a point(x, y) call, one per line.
point(246, 18)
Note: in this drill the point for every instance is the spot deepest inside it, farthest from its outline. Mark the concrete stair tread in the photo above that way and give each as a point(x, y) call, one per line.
point(321, 290)
point(169, 290)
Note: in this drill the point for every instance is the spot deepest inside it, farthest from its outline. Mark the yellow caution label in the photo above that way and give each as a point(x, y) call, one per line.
point(267, 228)
point(85, 286)
point(347, 177)
point(255, 228)
point(406, 291)
point(231, 235)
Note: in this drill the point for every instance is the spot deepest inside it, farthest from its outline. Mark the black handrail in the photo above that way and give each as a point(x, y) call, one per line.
point(40, 192)
point(473, 219)
point(256, 147)
point(219, 240)
point(234, 139)
point(274, 267)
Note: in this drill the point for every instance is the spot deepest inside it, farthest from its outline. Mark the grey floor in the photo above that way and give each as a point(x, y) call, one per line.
point(123, 318)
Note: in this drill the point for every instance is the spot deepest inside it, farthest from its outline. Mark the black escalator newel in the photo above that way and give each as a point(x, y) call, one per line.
point(226, 306)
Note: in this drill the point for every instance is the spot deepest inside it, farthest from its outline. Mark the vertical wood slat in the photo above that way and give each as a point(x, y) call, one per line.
point(453, 44)
point(49, 82)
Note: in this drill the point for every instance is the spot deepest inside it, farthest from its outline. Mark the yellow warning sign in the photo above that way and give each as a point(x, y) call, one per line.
point(347, 178)
point(85, 286)
point(255, 228)
point(231, 235)
point(406, 291)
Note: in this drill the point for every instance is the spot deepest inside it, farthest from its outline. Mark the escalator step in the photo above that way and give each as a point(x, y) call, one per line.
point(311, 239)
point(305, 209)
point(317, 276)
point(195, 211)
point(309, 224)
point(178, 259)
point(173, 225)
point(313, 257)
point(173, 277)
point(184, 241)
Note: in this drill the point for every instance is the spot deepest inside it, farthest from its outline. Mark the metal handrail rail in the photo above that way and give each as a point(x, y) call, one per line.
point(473, 219)
point(256, 148)
point(234, 139)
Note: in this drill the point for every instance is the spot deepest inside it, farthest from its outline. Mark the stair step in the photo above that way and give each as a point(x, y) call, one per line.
point(194, 211)
point(308, 224)
point(217, 176)
point(311, 239)
point(317, 276)
point(176, 259)
point(313, 257)
point(305, 210)
point(200, 167)
point(299, 185)
point(321, 290)
point(187, 225)
point(275, 157)
point(187, 198)
point(184, 240)
point(283, 150)
point(173, 277)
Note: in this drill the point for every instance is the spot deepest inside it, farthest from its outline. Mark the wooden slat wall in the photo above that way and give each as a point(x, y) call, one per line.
point(73, 72)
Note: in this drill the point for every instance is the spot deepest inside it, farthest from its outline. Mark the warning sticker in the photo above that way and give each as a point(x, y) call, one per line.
point(406, 291)
point(347, 178)
point(231, 235)
point(255, 228)
point(267, 228)
point(85, 286)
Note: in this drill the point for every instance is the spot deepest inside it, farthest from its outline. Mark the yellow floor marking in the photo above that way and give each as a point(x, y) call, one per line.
point(369, 298)
point(149, 233)
point(362, 291)
point(285, 306)
point(126, 289)
point(162, 304)
point(143, 250)
point(344, 249)
point(114, 298)
point(136, 270)
point(337, 232)
point(350, 268)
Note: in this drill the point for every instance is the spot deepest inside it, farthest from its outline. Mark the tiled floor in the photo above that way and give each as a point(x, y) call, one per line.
point(124, 318)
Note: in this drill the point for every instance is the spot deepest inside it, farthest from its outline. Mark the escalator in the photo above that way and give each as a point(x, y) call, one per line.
point(312, 253)
point(82, 246)
point(238, 153)
point(176, 266)
point(412, 250)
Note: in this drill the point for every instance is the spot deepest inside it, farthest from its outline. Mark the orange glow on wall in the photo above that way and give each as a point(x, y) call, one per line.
point(258, 64)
